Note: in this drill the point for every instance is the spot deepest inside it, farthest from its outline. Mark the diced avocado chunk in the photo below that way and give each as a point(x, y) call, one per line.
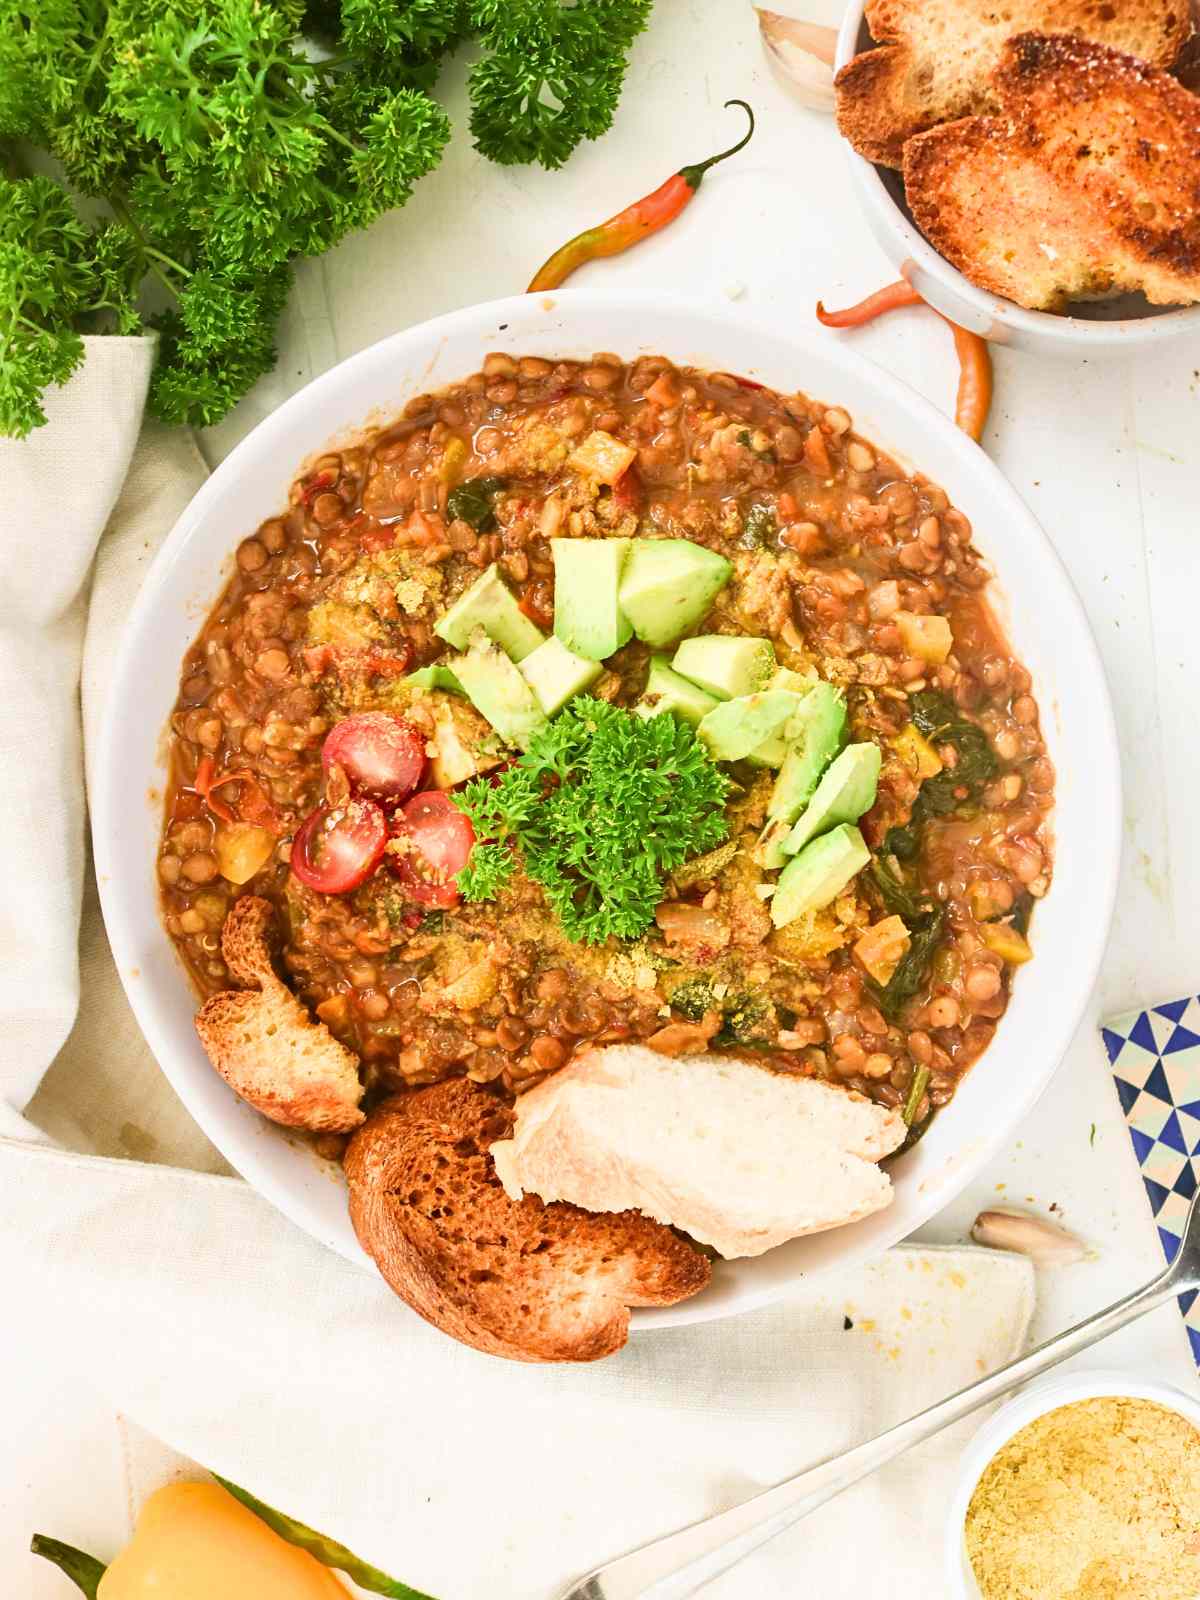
point(666, 691)
point(555, 674)
point(814, 736)
point(726, 665)
point(587, 608)
point(843, 794)
point(736, 727)
point(797, 682)
point(436, 677)
point(498, 692)
point(489, 604)
point(771, 753)
point(668, 586)
point(815, 878)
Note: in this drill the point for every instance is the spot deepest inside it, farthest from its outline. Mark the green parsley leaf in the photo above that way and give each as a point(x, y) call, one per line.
point(552, 74)
point(488, 870)
point(474, 501)
point(602, 806)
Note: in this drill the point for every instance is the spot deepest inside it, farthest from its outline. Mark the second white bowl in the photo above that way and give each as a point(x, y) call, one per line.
point(1047, 1395)
point(1101, 325)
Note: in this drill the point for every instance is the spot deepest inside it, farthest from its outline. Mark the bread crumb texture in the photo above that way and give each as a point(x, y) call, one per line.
point(1099, 1500)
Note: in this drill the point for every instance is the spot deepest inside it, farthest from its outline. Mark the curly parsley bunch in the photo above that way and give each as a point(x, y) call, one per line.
point(602, 806)
point(227, 139)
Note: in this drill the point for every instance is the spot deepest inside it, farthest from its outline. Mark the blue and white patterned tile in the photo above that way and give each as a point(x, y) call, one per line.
point(1155, 1058)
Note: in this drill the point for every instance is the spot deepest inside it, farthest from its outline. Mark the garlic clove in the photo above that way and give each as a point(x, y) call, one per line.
point(802, 55)
point(1044, 1242)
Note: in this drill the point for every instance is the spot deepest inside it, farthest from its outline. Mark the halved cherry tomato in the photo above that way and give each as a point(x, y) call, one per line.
point(337, 848)
point(431, 841)
point(382, 756)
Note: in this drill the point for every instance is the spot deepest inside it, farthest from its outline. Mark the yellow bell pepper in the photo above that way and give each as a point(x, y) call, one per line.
point(926, 637)
point(196, 1542)
point(1007, 942)
point(916, 752)
point(453, 460)
point(882, 947)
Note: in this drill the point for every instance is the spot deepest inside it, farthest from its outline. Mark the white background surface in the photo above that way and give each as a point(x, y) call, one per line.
point(1104, 451)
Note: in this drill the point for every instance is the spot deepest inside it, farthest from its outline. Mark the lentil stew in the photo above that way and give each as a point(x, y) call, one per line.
point(858, 573)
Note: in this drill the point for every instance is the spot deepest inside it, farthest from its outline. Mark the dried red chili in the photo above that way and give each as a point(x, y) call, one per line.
point(974, 357)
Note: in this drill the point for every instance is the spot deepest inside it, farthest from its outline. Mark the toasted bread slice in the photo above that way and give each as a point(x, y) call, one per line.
point(1087, 184)
point(264, 1043)
point(935, 58)
point(738, 1156)
point(512, 1278)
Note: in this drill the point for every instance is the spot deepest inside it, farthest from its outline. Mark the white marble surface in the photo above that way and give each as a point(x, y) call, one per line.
point(1106, 453)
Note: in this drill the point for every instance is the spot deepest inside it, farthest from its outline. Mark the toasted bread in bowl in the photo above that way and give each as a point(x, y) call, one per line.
point(934, 62)
point(1083, 185)
point(739, 1157)
point(1086, 326)
point(513, 1278)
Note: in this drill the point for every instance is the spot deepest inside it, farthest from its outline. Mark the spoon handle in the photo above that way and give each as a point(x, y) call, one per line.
point(679, 1564)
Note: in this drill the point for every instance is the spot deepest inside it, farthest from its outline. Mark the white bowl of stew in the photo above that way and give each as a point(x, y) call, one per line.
point(1031, 604)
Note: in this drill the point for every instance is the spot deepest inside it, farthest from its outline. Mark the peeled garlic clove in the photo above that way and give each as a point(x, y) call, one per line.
point(802, 55)
point(1044, 1242)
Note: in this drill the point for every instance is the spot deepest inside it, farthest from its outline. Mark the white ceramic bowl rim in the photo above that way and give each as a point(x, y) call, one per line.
point(1045, 1395)
point(1047, 624)
point(955, 295)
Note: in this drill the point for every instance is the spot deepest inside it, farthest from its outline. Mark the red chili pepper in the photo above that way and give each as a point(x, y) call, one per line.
point(314, 486)
point(636, 222)
point(974, 357)
point(254, 804)
point(889, 299)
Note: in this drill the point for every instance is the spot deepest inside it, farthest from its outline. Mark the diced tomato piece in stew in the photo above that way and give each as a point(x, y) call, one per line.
point(336, 848)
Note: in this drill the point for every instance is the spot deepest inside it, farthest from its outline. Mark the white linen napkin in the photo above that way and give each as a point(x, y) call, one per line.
point(60, 486)
point(238, 1341)
point(256, 1352)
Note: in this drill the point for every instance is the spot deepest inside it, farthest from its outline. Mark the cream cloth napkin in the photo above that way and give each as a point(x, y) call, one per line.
point(258, 1353)
point(232, 1336)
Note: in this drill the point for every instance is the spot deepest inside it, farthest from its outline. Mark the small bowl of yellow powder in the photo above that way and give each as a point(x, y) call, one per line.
point(1085, 1487)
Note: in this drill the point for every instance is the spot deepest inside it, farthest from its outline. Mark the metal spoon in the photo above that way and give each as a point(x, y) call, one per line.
point(679, 1564)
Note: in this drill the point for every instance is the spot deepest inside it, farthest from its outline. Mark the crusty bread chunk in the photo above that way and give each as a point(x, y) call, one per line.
point(1086, 185)
point(935, 58)
point(738, 1156)
point(513, 1278)
point(264, 1043)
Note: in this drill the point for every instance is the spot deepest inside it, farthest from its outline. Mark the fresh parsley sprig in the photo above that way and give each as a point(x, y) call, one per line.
point(601, 807)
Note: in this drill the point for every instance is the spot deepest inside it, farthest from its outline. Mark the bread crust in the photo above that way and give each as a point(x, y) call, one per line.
point(1086, 183)
point(517, 1279)
point(265, 1045)
point(935, 59)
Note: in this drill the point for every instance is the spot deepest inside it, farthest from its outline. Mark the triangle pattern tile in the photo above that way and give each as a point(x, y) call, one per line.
point(1155, 1060)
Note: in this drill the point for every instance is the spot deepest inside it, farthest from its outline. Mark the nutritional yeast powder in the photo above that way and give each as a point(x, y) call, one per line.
point(1098, 1500)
